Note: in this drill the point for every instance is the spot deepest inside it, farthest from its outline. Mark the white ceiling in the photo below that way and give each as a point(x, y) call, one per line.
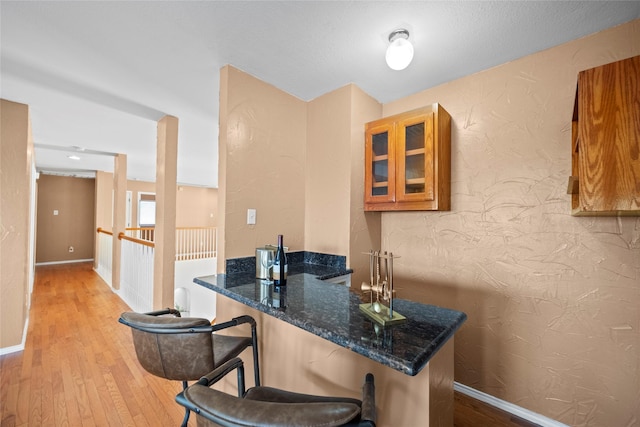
point(99, 74)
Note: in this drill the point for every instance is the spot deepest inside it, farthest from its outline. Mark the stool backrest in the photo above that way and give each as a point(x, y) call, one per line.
point(175, 348)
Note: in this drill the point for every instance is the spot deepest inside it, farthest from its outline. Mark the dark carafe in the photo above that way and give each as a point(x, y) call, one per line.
point(280, 265)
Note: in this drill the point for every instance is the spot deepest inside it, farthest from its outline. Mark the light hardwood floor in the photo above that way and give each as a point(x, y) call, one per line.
point(79, 367)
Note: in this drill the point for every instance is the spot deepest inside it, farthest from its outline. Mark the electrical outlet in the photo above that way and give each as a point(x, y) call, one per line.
point(71, 249)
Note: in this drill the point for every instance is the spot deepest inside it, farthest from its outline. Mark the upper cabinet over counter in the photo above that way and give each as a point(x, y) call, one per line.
point(408, 161)
point(605, 160)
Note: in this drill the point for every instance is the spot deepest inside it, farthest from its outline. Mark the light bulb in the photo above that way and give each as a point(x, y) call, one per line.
point(400, 51)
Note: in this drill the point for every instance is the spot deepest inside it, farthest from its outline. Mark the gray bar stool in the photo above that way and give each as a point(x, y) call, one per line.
point(185, 348)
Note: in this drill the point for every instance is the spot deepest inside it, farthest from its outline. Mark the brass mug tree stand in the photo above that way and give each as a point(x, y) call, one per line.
point(380, 283)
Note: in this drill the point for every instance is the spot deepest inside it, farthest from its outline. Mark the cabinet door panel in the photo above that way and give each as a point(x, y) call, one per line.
point(415, 158)
point(379, 164)
point(606, 140)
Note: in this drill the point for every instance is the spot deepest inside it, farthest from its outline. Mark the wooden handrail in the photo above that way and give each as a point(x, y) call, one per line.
point(122, 236)
point(183, 252)
point(101, 230)
point(142, 233)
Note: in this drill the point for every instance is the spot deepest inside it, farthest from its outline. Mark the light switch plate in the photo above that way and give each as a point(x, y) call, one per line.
point(251, 216)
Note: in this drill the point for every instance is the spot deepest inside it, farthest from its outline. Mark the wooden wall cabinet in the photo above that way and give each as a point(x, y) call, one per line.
point(408, 161)
point(605, 160)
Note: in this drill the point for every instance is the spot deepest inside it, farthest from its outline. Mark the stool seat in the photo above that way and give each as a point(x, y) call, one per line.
point(272, 407)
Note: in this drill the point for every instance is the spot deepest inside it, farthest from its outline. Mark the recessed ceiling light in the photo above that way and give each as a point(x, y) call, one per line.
point(74, 157)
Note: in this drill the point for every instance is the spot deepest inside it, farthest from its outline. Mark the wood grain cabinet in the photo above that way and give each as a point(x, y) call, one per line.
point(605, 161)
point(408, 161)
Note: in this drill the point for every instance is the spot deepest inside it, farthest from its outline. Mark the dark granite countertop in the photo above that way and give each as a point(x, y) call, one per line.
point(331, 311)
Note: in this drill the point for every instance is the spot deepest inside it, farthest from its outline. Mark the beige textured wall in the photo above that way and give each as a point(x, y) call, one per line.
point(104, 189)
point(74, 199)
point(263, 135)
point(104, 198)
point(335, 221)
point(364, 227)
point(103, 210)
point(324, 191)
point(553, 300)
point(196, 206)
point(16, 159)
point(328, 169)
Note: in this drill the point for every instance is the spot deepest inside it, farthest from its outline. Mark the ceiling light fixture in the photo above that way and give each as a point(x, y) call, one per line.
point(400, 51)
point(74, 157)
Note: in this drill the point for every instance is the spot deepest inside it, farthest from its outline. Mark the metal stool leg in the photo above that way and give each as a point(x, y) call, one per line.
point(254, 344)
point(185, 420)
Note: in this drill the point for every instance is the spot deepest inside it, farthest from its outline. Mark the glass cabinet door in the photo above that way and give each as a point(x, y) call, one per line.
point(415, 178)
point(379, 164)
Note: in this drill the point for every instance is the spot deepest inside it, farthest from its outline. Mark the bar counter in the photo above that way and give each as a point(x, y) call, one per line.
point(331, 311)
point(314, 339)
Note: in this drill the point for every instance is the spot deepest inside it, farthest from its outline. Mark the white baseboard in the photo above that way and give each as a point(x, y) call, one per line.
point(64, 262)
point(503, 405)
point(12, 349)
point(19, 347)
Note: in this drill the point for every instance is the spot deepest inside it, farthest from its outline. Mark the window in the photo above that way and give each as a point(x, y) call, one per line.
point(147, 213)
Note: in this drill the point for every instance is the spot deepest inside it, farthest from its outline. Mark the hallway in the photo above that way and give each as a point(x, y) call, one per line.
point(79, 366)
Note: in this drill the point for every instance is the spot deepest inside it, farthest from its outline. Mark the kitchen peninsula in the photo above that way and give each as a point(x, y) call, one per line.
point(314, 339)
